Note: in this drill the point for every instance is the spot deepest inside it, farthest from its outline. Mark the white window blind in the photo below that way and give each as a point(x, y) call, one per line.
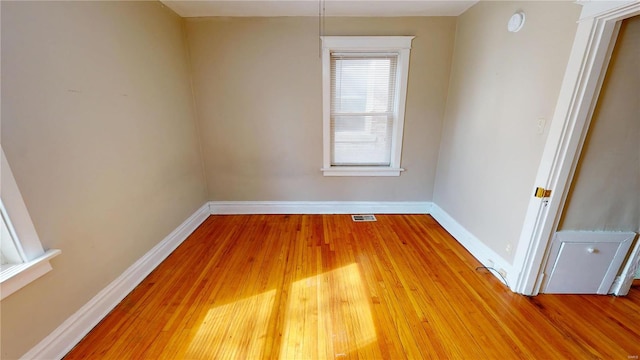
point(363, 101)
point(364, 91)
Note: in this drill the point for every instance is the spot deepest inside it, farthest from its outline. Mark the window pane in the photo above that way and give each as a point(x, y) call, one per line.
point(363, 88)
point(362, 84)
point(361, 140)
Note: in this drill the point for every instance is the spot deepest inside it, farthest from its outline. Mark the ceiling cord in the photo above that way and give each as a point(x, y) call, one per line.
point(321, 16)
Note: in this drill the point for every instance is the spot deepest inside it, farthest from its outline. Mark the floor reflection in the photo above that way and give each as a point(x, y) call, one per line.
point(328, 316)
point(234, 331)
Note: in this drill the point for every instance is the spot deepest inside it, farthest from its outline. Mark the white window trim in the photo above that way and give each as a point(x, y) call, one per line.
point(35, 258)
point(399, 44)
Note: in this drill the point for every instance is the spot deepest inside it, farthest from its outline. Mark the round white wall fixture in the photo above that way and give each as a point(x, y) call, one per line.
point(516, 22)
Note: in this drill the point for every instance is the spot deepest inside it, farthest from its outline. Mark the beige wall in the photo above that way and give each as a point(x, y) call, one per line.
point(501, 84)
point(605, 193)
point(259, 99)
point(99, 129)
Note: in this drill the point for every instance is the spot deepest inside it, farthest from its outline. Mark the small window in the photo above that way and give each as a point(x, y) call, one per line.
point(364, 92)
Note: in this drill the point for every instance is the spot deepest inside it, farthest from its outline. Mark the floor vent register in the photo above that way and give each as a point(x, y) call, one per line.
point(363, 218)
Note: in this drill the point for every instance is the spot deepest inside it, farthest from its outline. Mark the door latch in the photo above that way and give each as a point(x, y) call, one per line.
point(542, 193)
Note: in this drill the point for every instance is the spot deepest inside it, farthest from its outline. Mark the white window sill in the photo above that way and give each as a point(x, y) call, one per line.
point(15, 277)
point(361, 171)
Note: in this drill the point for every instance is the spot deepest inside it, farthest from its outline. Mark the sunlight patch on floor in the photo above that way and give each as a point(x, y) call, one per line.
point(328, 316)
point(234, 331)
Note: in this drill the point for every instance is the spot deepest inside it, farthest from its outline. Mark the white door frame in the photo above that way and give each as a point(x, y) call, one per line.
point(594, 41)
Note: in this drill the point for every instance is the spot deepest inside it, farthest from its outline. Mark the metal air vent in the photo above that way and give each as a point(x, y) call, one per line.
point(362, 218)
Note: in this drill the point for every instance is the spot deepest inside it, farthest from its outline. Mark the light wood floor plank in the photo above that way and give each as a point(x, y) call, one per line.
point(322, 286)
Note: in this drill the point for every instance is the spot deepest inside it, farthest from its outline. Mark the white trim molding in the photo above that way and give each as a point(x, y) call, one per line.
point(361, 171)
point(319, 207)
point(367, 43)
point(594, 41)
point(15, 277)
point(592, 8)
point(57, 344)
point(624, 280)
point(484, 254)
point(31, 261)
point(19, 221)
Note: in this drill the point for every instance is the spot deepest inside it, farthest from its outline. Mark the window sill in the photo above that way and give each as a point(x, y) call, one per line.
point(15, 277)
point(361, 171)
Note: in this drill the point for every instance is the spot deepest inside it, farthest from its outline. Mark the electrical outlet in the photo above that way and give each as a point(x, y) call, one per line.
point(503, 272)
point(508, 248)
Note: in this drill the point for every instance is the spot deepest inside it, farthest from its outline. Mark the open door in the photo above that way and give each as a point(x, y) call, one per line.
point(593, 46)
point(601, 215)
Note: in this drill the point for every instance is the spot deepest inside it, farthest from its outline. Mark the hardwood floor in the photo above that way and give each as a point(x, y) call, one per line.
point(322, 286)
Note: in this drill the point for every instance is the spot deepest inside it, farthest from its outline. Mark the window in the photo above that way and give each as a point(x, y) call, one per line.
point(22, 257)
point(364, 92)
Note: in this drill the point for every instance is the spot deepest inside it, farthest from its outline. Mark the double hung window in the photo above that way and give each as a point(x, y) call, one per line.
point(364, 92)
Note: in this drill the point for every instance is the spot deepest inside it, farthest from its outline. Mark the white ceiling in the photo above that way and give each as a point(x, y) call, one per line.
point(189, 8)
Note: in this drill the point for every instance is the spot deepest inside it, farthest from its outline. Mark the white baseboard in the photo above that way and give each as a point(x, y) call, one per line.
point(57, 344)
point(477, 248)
point(319, 207)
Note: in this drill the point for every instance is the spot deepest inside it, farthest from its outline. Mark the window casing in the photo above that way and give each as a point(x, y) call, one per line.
point(10, 251)
point(23, 257)
point(364, 95)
